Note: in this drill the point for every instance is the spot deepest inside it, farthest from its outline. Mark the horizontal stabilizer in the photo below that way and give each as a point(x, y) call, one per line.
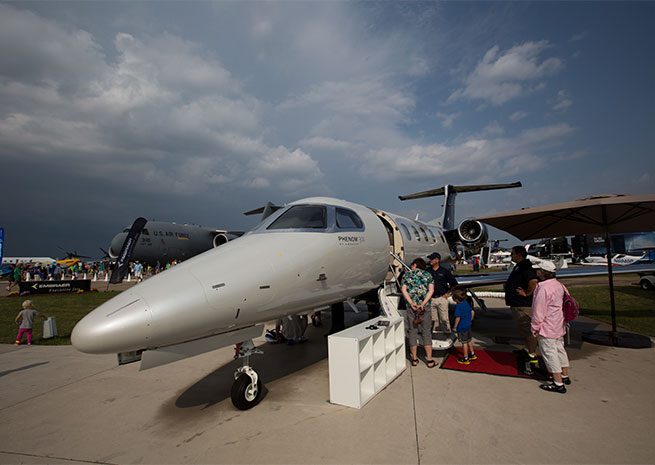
point(457, 189)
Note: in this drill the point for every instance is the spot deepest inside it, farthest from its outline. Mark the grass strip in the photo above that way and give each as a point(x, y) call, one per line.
point(67, 309)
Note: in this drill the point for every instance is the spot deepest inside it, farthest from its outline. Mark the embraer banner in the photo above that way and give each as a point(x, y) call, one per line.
point(50, 287)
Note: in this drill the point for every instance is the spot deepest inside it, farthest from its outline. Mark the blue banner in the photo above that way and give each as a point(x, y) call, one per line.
point(2, 242)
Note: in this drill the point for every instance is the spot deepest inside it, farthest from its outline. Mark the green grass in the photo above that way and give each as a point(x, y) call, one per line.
point(68, 309)
point(635, 307)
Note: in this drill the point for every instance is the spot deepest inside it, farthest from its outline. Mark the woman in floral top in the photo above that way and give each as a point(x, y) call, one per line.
point(417, 288)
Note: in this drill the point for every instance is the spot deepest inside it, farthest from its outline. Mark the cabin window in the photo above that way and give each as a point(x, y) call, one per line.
point(416, 235)
point(301, 217)
point(405, 231)
point(348, 219)
point(425, 236)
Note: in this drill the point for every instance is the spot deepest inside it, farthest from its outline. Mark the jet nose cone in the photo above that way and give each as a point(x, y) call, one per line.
point(121, 324)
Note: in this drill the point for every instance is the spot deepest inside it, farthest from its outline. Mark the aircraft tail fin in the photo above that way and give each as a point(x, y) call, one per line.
point(447, 220)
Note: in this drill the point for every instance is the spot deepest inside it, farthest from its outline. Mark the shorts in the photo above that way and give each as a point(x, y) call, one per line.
point(421, 332)
point(523, 318)
point(464, 336)
point(554, 354)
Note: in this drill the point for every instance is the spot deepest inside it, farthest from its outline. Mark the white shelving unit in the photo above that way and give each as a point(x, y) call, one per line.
point(364, 361)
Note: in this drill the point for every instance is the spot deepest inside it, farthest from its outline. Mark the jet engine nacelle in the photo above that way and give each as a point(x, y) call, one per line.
point(472, 234)
point(220, 239)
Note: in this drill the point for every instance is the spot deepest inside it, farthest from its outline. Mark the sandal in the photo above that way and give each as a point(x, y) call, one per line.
point(415, 362)
point(431, 364)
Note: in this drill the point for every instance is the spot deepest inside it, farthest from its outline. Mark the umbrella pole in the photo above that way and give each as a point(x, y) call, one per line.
point(613, 334)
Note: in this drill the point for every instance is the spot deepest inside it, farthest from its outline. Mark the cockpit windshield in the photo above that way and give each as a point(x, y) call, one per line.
point(301, 217)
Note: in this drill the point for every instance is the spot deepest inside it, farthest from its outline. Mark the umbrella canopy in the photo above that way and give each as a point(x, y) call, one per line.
point(600, 214)
point(605, 214)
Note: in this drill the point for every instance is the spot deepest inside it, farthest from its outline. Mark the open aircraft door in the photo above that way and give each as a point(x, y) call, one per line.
point(396, 244)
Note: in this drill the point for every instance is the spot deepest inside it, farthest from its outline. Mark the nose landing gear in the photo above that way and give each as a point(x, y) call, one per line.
point(247, 387)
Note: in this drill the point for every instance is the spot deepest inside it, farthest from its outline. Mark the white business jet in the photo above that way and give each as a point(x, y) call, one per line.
point(311, 253)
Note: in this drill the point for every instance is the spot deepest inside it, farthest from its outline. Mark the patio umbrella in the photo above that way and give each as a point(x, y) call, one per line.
point(599, 214)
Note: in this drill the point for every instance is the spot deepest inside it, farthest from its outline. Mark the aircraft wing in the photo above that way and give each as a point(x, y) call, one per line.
point(489, 279)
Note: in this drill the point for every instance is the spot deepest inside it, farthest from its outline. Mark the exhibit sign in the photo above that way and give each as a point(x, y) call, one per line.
point(53, 287)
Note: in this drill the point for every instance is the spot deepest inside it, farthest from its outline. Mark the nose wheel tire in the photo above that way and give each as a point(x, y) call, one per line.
point(245, 393)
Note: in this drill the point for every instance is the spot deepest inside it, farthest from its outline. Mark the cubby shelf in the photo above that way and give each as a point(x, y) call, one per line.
point(364, 361)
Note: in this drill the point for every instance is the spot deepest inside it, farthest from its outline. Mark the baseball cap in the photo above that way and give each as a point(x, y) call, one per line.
point(434, 255)
point(545, 265)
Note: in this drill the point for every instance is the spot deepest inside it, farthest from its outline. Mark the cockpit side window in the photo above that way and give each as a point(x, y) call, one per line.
point(425, 236)
point(302, 217)
point(348, 219)
point(418, 238)
point(434, 239)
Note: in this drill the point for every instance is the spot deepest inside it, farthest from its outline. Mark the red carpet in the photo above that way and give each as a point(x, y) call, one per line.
point(494, 363)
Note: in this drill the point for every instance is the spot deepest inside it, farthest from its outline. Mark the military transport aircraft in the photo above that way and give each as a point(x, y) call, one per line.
point(310, 253)
point(164, 242)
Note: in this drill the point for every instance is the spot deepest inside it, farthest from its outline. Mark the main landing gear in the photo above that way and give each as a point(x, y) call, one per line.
point(247, 387)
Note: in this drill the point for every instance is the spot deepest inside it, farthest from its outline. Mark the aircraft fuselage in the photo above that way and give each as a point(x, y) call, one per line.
point(164, 242)
point(312, 253)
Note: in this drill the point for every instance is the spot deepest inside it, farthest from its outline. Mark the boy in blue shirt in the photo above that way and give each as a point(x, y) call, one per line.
point(463, 317)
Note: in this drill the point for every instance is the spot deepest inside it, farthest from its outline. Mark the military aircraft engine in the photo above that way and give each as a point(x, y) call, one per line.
point(220, 239)
point(472, 234)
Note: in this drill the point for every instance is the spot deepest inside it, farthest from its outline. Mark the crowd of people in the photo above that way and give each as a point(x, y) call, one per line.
point(20, 272)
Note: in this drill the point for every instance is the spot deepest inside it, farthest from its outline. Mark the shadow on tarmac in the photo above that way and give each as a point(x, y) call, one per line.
point(277, 361)
point(26, 367)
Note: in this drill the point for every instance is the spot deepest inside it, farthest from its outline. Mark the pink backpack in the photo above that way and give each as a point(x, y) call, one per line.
point(570, 306)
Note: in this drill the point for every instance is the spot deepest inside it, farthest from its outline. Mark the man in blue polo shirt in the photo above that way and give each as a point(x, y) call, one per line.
point(443, 282)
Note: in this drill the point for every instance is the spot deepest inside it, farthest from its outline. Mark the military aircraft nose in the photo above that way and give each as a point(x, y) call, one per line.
point(121, 324)
point(116, 244)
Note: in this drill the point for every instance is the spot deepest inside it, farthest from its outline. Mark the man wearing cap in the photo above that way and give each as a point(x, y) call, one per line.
point(443, 282)
point(549, 327)
point(519, 287)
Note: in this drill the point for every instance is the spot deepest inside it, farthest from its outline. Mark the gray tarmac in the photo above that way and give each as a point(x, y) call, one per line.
point(59, 406)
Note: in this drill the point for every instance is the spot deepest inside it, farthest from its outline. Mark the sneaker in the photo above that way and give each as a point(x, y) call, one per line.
point(463, 361)
point(552, 387)
point(566, 380)
point(533, 358)
point(472, 356)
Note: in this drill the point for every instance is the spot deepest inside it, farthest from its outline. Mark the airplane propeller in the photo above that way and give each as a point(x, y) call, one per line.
point(73, 254)
point(105, 254)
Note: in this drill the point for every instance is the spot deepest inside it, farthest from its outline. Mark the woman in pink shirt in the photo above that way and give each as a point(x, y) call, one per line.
point(548, 325)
